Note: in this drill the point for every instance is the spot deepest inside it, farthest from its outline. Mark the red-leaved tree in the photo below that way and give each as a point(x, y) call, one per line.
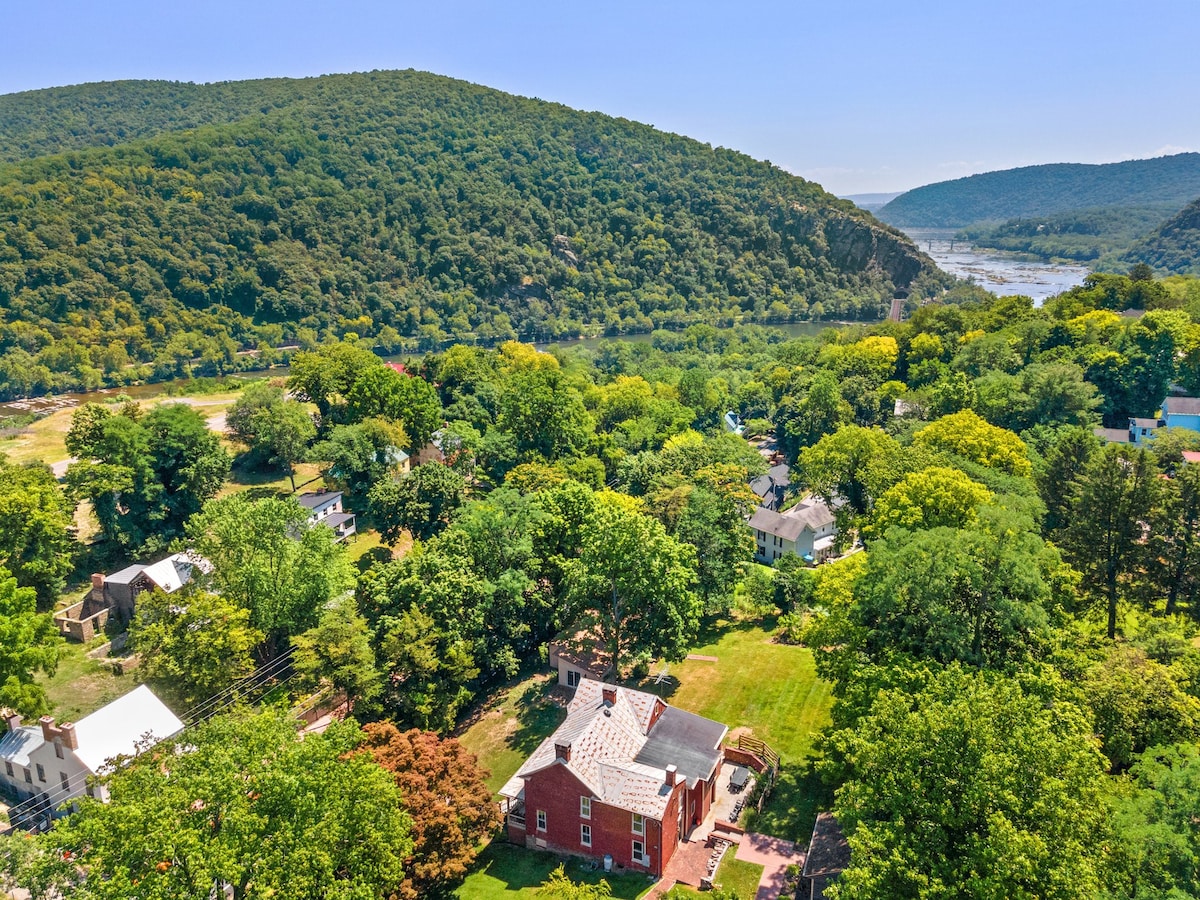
point(450, 805)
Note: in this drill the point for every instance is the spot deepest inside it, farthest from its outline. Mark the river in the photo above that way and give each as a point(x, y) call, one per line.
point(998, 272)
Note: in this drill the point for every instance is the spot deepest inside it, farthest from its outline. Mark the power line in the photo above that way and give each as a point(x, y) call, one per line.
point(261, 677)
point(267, 669)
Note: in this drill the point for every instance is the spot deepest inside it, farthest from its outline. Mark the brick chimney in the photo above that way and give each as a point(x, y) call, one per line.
point(563, 752)
point(49, 731)
point(609, 693)
point(12, 719)
point(69, 738)
point(98, 582)
point(672, 775)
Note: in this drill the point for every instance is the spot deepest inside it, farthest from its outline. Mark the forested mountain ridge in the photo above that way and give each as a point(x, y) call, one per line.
point(1174, 246)
point(103, 114)
point(1046, 190)
point(404, 207)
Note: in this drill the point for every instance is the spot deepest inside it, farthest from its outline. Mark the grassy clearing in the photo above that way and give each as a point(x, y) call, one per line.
point(505, 872)
point(511, 724)
point(43, 441)
point(734, 875)
point(767, 690)
point(80, 685)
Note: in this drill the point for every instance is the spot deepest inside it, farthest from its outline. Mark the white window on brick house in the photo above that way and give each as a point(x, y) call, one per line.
point(639, 823)
point(541, 820)
point(585, 835)
point(639, 853)
point(585, 807)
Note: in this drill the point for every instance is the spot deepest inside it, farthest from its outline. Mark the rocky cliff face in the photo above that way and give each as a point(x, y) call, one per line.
point(859, 246)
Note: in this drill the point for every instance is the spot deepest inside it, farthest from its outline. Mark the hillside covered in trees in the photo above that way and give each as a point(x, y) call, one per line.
point(1098, 237)
point(184, 225)
point(1174, 246)
point(1047, 190)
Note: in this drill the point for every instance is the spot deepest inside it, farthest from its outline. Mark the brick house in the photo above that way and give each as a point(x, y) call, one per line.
point(625, 776)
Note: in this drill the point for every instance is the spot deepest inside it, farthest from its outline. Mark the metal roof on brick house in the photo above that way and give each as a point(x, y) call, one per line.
point(620, 749)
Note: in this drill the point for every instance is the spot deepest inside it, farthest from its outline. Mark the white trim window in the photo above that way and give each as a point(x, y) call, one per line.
point(585, 807)
point(639, 824)
point(639, 853)
point(585, 835)
point(541, 820)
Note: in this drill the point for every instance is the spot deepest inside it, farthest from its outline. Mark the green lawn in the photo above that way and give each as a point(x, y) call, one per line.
point(734, 875)
point(511, 724)
point(80, 685)
point(756, 687)
point(505, 871)
point(767, 690)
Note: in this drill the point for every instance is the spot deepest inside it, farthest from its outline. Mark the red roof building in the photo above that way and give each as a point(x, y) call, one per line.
point(625, 776)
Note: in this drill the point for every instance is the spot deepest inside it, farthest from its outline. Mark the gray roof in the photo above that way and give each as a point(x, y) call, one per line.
point(828, 851)
point(317, 499)
point(1112, 435)
point(338, 518)
point(127, 574)
point(685, 740)
point(1182, 406)
point(1143, 423)
point(811, 514)
point(19, 743)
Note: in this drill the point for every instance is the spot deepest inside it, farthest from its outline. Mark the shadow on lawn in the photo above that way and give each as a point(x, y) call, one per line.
point(537, 716)
point(791, 810)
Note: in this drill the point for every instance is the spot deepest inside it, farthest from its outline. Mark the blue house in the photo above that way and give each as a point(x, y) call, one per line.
point(1181, 412)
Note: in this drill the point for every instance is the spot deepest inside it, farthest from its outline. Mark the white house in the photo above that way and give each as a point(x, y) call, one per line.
point(326, 507)
point(808, 530)
point(48, 764)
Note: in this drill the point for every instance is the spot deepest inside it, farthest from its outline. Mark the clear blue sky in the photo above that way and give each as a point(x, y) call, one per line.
point(856, 94)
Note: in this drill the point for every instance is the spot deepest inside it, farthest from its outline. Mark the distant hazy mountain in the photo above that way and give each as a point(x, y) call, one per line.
point(872, 202)
point(1175, 246)
point(1046, 190)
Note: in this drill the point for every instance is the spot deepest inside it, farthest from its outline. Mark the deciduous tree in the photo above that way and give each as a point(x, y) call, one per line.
point(631, 585)
point(191, 645)
point(29, 644)
point(245, 802)
point(969, 788)
point(449, 802)
point(268, 560)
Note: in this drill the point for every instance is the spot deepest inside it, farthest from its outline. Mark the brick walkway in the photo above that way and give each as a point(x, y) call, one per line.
point(774, 855)
point(688, 863)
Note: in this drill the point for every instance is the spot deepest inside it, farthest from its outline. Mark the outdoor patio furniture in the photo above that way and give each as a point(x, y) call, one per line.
point(737, 779)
